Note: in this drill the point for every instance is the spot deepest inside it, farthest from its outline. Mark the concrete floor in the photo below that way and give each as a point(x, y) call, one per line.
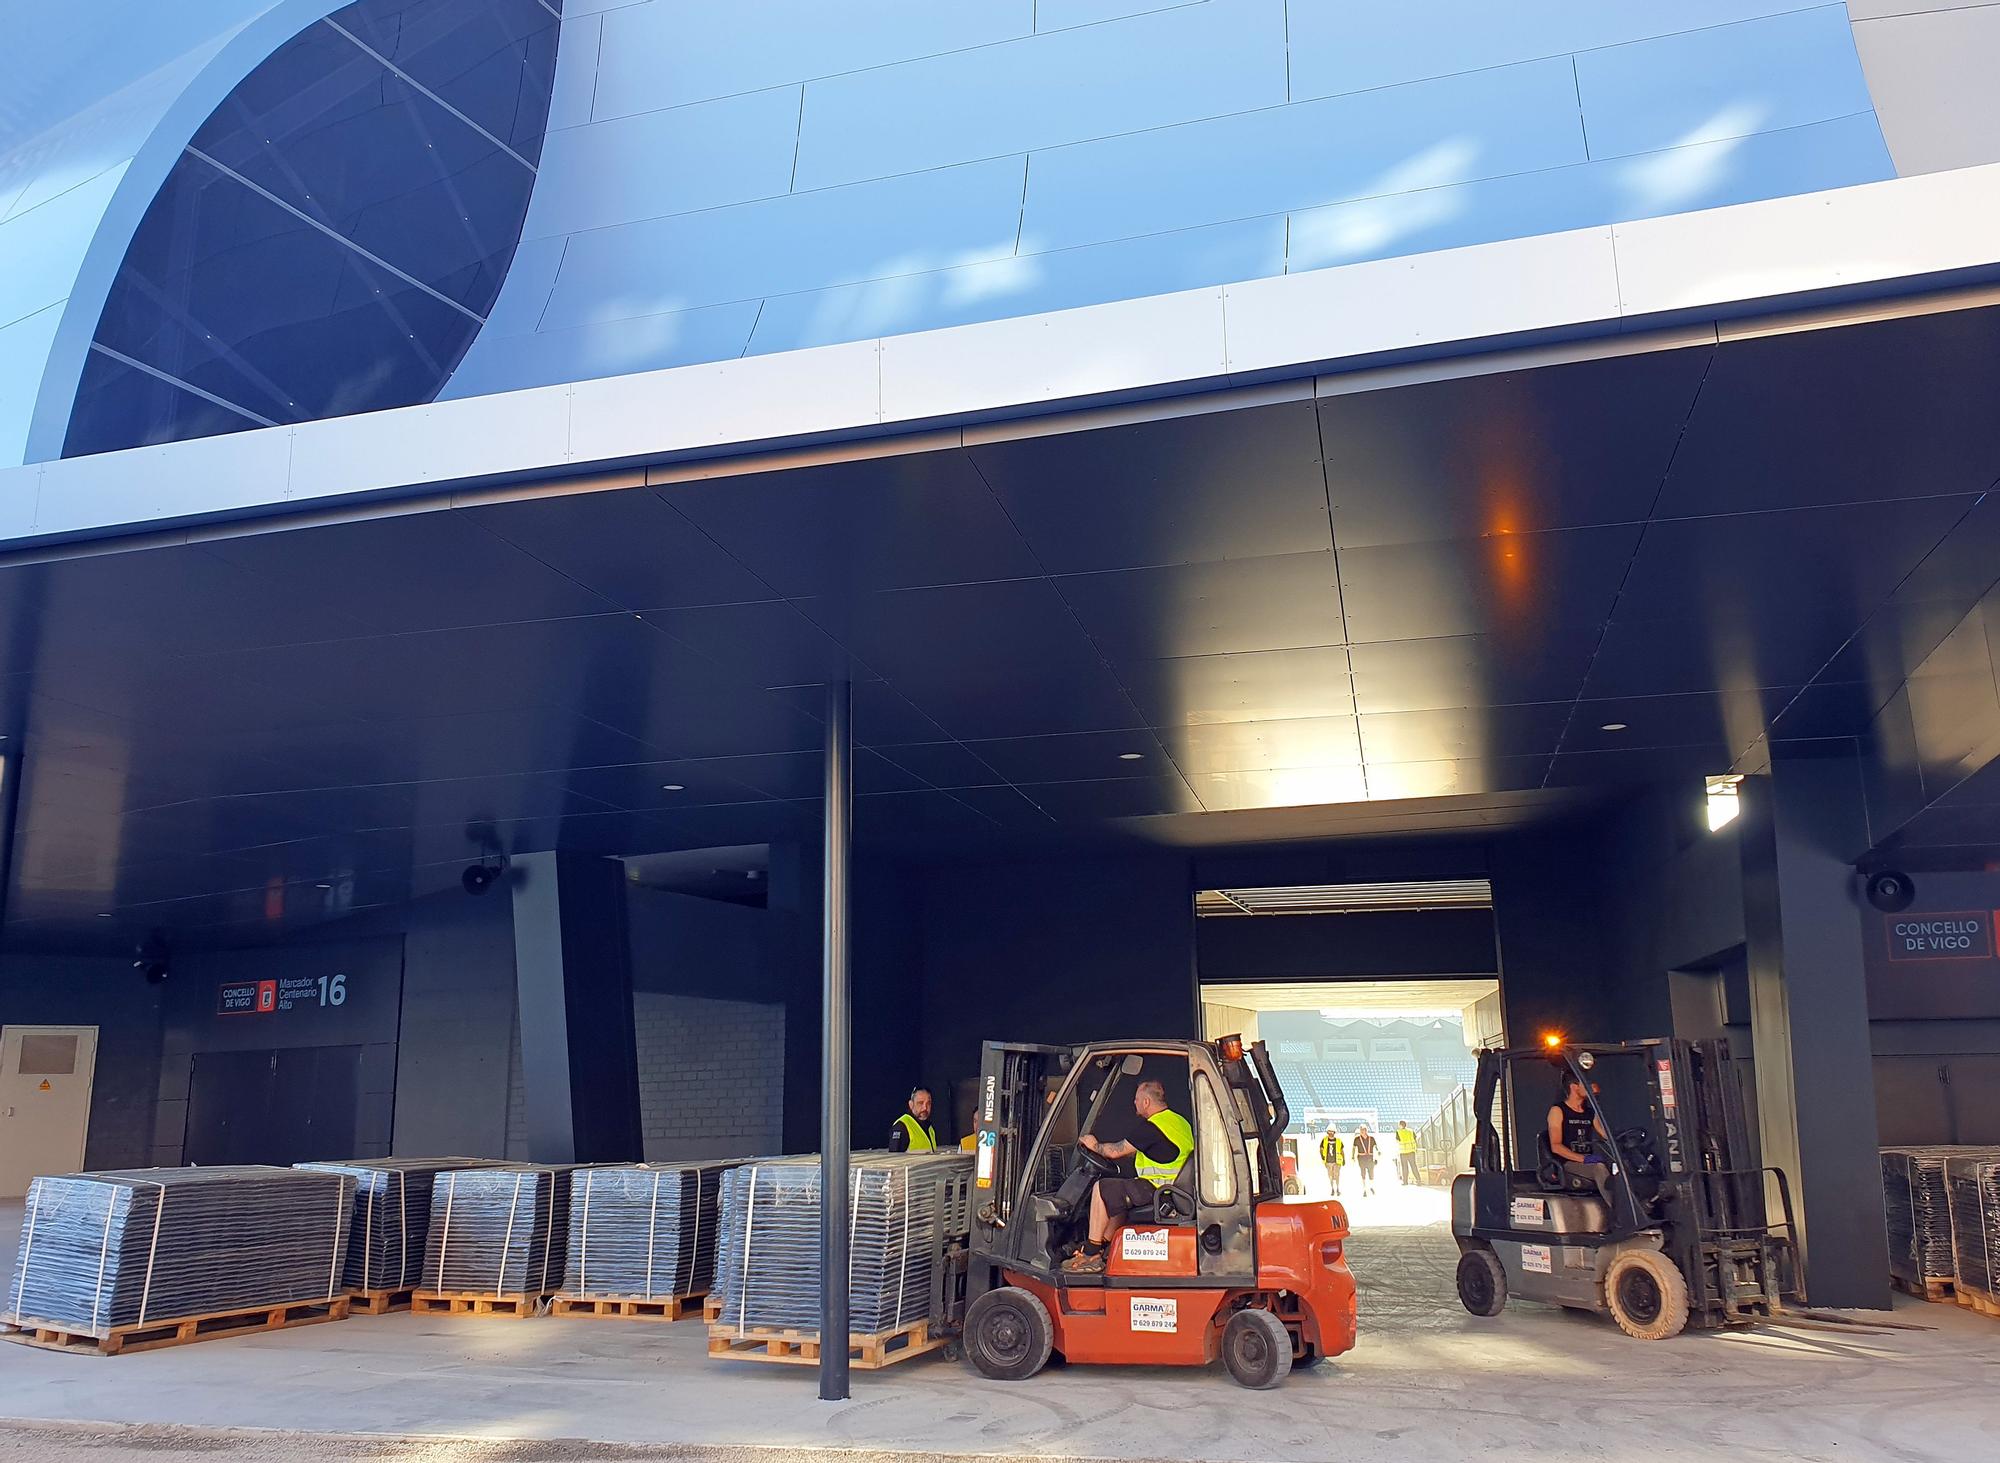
point(1426, 1382)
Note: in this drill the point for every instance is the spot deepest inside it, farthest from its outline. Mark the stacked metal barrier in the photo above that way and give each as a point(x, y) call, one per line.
point(643, 1230)
point(391, 1223)
point(1972, 1188)
point(501, 1230)
point(902, 1208)
point(101, 1251)
point(1917, 1220)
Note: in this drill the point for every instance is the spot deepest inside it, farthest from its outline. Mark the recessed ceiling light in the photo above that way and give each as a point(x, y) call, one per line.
point(1130, 756)
point(1612, 726)
point(104, 916)
point(322, 886)
point(673, 787)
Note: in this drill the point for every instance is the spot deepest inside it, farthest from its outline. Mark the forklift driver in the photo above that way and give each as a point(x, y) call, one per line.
point(1571, 1130)
point(1161, 1140)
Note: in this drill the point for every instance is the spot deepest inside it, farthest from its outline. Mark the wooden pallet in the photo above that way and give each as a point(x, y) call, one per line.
point(473, 1303)
point(178, 1331)
point(1940, 1288)
point(870, 1351)
point(1978, 1300)
point(711, 1309)
point(631, 1307)
point(379, 1302)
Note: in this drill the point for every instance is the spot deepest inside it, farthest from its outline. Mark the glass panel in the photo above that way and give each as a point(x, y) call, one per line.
point(46, 1055)
point(1213, 1150)
point(238, 296)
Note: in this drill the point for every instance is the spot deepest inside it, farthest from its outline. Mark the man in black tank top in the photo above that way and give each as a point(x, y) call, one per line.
point(1572, 1131)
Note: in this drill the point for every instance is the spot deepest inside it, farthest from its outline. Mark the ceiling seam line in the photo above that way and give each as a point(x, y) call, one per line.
point(1604, 631)
point(1339, 590)
point(1886, 600)
point(1104, 662)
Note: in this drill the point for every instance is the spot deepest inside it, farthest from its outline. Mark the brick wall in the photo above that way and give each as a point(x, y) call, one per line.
point(711, 1078)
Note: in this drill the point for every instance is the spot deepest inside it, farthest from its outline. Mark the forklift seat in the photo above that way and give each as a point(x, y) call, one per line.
point(1551, 1175)
point(1179, 1208)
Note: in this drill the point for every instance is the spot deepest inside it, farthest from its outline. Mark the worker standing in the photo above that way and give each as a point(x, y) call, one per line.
point(1406, 1153)
point(912, 1131)
point(1364, 1158)
point(1333, 1153)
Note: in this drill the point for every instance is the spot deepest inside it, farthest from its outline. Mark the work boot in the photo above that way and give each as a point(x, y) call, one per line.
point(1084, 1263)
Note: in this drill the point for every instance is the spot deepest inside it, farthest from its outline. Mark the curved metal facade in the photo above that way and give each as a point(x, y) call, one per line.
point(727, 180)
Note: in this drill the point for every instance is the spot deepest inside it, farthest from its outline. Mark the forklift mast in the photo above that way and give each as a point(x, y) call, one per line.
point(1016, 1081)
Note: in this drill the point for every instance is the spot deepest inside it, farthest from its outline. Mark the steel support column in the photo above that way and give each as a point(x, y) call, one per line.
point(835, 1053)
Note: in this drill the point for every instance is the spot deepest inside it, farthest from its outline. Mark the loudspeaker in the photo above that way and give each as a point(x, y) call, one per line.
point(1890, 891)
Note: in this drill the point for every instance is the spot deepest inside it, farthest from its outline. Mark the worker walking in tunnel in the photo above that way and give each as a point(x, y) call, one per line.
point(1364, 1158)
point(912, 1132)
point(1406, 1153)
point(1160, 1143)
point(1332, 1153)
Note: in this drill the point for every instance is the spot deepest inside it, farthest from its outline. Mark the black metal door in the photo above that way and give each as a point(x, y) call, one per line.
point(284, 1105)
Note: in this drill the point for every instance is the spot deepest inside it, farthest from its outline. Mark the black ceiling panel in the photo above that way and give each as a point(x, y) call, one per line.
point(1284, 602)
point(1221, 486)
point(1886, 410)
point(1251, 686)
point(1510, 453)
point(892, 523)
point(1511, 584)
point(628, 546)
point(1472, 670)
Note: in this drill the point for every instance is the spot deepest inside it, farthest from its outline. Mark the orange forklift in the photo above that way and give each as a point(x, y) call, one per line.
point(1223, 1265)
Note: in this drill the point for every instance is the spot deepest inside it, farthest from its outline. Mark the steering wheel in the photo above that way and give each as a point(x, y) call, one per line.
point(1096, 1162)
point(1635, 1146)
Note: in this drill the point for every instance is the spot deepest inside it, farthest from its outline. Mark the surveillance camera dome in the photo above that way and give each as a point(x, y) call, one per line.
point(1891, 891)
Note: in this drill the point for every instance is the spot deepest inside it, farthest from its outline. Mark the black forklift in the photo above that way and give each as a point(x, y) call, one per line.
point(1682, 1235)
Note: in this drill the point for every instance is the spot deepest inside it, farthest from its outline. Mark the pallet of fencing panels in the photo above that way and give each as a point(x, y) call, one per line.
point(642, 1240)
point(908, 1217)
point(390, 1226)
point(1972, 1187)
point(138, 1259)
point(496, 1241)
point(1917, 1216)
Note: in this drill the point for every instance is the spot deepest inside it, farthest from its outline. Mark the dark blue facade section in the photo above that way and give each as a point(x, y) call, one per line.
point(335, 234)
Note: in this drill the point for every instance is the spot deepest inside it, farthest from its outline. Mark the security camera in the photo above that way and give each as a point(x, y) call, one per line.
point(478, 878)
point(1890, 891)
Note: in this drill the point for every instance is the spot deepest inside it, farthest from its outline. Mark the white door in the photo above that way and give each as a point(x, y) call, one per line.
point(45, 1074)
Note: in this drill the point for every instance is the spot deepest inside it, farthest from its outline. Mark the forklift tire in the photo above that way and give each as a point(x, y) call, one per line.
point(1008, 1334)
point(1647, 1295)
point(1482, 1284)
point(1257, 1349)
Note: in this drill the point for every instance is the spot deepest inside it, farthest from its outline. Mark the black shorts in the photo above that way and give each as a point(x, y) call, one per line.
point(1122, 1196)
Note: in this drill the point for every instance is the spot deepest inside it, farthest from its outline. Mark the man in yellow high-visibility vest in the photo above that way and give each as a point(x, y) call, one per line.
point(912, 1131)
point(1406, 1153)
point(1161, 1143)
